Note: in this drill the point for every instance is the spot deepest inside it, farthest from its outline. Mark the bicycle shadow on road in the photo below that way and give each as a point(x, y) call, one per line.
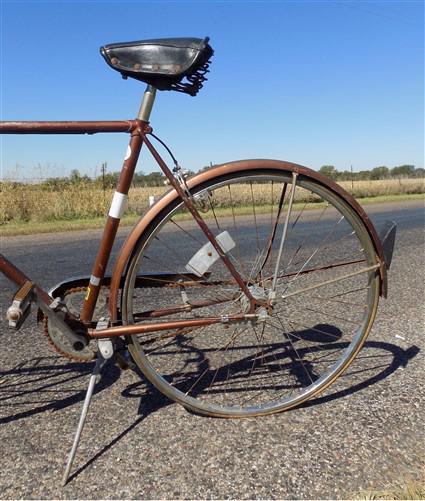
point(375, 362)
point(51, 384)
point(400, 358)
point(151, 400)
point(47, 384)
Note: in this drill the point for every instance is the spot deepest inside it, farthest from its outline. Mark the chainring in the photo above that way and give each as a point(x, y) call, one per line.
point(73, 300)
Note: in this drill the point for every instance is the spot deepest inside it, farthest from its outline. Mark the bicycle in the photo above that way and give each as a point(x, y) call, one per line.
point(243, 291)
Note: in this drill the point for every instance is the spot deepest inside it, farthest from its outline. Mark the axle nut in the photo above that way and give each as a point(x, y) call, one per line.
point(13, 314)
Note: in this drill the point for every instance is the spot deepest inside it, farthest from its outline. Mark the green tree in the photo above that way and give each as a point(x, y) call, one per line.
point(363, 175)
point(155, 179)
point(380, 172)
point(329, 171)
point(75, 176)
point(55, 183)
point(403, 171)
point(346, 175)
point(107, 180)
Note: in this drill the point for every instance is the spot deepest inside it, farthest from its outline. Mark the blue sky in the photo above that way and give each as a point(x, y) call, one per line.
point(315, 83)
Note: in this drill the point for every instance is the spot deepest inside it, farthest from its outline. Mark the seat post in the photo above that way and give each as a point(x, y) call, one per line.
point(147, 103)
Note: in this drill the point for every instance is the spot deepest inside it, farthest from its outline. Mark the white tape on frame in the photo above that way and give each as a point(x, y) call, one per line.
point(94, 280)
point(118, 206)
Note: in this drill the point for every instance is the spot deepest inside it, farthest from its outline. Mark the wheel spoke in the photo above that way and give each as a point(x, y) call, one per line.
point(332, 281)
point(269, 247)
point(299, 358)
point(284, 233)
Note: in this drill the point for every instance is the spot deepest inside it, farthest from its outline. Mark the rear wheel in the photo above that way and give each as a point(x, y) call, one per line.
point(321, 293)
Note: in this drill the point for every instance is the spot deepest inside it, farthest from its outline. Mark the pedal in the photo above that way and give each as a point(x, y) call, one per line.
point(20, 308)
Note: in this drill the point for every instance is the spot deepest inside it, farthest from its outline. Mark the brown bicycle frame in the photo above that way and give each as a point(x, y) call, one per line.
point(138, 130)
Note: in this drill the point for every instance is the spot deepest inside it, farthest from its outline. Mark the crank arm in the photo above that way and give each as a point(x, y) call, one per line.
point(78, 341)
point(43, 300)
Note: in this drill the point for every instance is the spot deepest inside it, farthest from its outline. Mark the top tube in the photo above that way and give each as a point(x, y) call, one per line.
point(83, 127)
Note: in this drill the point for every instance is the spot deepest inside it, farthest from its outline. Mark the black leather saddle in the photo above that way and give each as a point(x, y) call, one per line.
point(166, 63)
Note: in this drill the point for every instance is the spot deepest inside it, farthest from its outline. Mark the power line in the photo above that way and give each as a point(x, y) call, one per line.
point(365, 7)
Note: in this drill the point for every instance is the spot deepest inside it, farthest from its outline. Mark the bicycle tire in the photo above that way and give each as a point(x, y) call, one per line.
point(249, 375)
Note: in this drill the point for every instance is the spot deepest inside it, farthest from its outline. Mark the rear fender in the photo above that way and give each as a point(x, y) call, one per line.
point(229, 168)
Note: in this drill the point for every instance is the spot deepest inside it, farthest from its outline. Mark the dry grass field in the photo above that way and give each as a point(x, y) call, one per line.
point(407, 490)
point(33, 203)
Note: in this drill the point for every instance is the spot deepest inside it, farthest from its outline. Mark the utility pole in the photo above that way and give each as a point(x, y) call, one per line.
point(104, 165)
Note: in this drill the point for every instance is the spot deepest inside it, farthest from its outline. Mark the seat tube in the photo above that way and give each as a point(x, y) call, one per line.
point(118, 206)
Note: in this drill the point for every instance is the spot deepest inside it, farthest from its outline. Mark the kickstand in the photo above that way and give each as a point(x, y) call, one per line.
point(100, 360)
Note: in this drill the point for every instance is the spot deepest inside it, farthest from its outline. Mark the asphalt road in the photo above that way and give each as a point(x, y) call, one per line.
point(366, 431)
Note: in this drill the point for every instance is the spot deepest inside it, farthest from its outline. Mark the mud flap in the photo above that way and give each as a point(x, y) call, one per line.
point(386, 235)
